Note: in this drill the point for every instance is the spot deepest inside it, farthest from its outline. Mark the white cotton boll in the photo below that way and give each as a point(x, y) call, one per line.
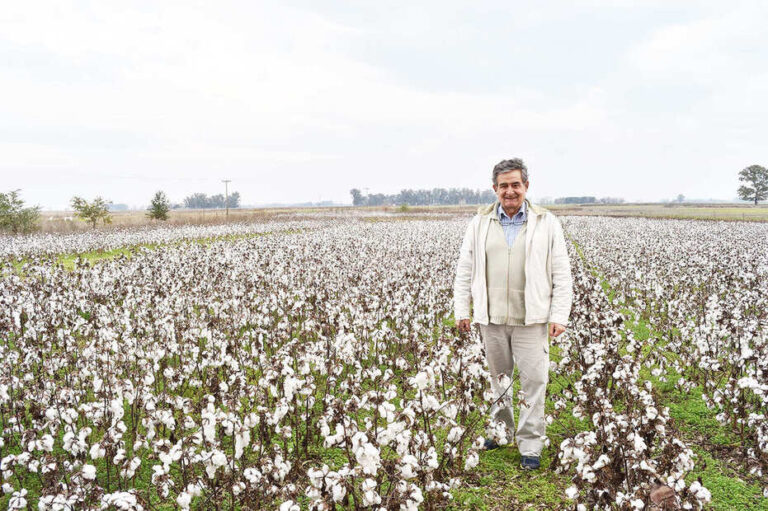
point(46, 443)
point(289, 505)
point(219, 459)
point(18, 500)
point(116, 407)
point(421, 381)
point(408, 466)
point(368, 457)
point(68, 442)
point(158, 471)
point(571, 492)
point(472, 460)
point(184, 500)
point(644, 465)
point(338, 491)
point(195, 489)
point(450, 411)
point(121, 500)
point(602, 461)
point(97, 451)
point(370, 496)
point(430, 402)
point(242, 440)
point(637, 504)
point(252, 475)
point(7, 488)
point(89, 472)
point(700, 492)
point(316, 476)
point(431, 459)
point(454, 435)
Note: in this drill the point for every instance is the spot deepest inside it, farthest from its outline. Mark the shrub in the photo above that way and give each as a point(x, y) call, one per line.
point(159, 207)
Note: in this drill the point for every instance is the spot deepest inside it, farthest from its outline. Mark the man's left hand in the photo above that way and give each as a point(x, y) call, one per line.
point(555, 329)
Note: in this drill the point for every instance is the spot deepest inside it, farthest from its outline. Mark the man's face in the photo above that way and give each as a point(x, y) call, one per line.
point(511, 190)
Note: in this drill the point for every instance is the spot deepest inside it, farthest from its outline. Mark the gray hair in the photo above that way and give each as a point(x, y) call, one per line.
point(505, 166)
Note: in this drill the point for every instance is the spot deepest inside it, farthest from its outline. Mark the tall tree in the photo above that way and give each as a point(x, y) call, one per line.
point(158, 208)
point(216, 201)
point(14, 217)
point(357, 197)
point(196, 201)
point(233, 201)
point(757, 177)
point(93, 211)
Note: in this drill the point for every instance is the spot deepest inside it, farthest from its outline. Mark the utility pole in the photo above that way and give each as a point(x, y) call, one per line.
point(226, 195)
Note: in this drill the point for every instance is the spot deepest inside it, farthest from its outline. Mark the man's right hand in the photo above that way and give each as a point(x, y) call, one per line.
point(464, 325)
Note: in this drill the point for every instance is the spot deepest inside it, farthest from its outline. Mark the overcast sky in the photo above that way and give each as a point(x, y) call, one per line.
point(303, 100)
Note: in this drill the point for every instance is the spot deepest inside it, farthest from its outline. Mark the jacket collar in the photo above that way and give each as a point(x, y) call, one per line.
point(490, 210)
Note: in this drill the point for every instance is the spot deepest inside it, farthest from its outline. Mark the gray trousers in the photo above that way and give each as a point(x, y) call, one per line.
point(526, 346)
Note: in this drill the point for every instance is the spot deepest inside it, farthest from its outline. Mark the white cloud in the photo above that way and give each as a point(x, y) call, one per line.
point(714, 48)
point(176, 89)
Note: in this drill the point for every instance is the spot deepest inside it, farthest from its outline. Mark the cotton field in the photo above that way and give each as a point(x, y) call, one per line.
point(316, 366)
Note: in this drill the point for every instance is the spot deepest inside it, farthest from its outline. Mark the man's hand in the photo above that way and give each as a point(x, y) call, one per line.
point(555, 329)
point(464, 325)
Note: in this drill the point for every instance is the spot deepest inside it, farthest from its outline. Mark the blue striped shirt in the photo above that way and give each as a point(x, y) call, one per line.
point(512, 225)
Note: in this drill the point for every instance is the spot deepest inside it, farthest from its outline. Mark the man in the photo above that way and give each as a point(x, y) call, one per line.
point(514, 267)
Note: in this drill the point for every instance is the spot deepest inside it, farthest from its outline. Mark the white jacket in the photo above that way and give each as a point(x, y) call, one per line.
point(548, 283)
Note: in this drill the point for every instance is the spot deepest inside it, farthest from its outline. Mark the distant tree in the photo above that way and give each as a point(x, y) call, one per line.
point(14, 217)
point(378, 199)
point(93, 211)
point(201, 200)
point(233, 201)
point(436, 196)
point(575, 200)
point(680, 198)
point(216, 201)
point(196, 201)
point(158, 208)
point(357, 197)
point(757, 177)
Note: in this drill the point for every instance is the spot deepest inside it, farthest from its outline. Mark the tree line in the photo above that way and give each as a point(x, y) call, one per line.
point(17, 218)
point(203, 201)
point(433, 197)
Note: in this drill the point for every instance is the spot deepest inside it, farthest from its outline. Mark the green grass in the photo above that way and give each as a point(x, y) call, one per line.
point(729, 490)
point(68, 260)
point(502, 484)
point(730, 212)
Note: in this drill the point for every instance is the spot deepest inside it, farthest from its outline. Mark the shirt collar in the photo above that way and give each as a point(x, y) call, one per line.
point(520, 216)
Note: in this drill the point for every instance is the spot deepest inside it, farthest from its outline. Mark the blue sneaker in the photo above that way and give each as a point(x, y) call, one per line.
point(490, 444)
point(530, 463)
